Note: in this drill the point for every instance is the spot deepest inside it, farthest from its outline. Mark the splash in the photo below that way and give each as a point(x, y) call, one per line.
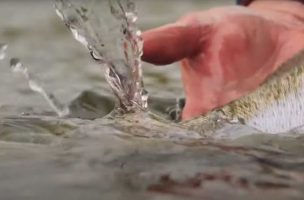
point(114, 41)
point(3, 48)
point(18, 67)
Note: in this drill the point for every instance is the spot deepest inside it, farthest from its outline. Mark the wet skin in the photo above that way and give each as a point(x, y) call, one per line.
point(227, 52)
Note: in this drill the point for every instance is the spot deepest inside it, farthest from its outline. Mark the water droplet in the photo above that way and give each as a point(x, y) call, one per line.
point(35, 87)
point(80, 38)
point(59, 14)
point(18, 67)
point(3, 48)
point(96, 55)
point(138, 33)
point(132, 17)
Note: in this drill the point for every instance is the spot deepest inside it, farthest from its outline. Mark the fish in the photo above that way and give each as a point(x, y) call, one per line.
point(277, 106)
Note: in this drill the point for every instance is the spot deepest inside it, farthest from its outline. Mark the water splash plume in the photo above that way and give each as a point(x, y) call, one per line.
point(114, 41)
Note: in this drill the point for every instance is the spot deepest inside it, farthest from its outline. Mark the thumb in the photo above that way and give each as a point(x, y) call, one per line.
point(171, 43)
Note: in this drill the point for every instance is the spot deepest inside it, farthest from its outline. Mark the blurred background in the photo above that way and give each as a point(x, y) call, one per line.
point(39, 38)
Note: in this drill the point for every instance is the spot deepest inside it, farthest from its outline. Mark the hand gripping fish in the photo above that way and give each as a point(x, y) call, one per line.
point(277, 106)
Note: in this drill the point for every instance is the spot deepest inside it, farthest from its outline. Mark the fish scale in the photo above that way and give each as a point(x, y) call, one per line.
point(275, 107)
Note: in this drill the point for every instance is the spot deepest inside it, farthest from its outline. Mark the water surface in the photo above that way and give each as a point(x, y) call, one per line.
point(83, 156)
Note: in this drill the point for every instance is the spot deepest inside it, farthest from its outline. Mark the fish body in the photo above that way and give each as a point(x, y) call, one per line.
point(276, 106)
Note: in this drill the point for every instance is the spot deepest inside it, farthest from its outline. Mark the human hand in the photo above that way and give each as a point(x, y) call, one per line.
point(227, 52)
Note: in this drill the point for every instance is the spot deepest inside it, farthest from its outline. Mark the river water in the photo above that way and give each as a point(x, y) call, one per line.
point(85, 157)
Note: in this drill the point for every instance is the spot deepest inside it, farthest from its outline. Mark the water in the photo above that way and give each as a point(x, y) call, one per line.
point(134, 156)
point(18, 67)
point(114, 41)
point(3, 48)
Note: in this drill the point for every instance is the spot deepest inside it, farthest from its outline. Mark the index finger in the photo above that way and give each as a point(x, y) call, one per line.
point(171, 43)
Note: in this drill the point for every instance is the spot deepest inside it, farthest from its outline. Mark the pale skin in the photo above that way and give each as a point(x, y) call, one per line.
point(227, 52)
